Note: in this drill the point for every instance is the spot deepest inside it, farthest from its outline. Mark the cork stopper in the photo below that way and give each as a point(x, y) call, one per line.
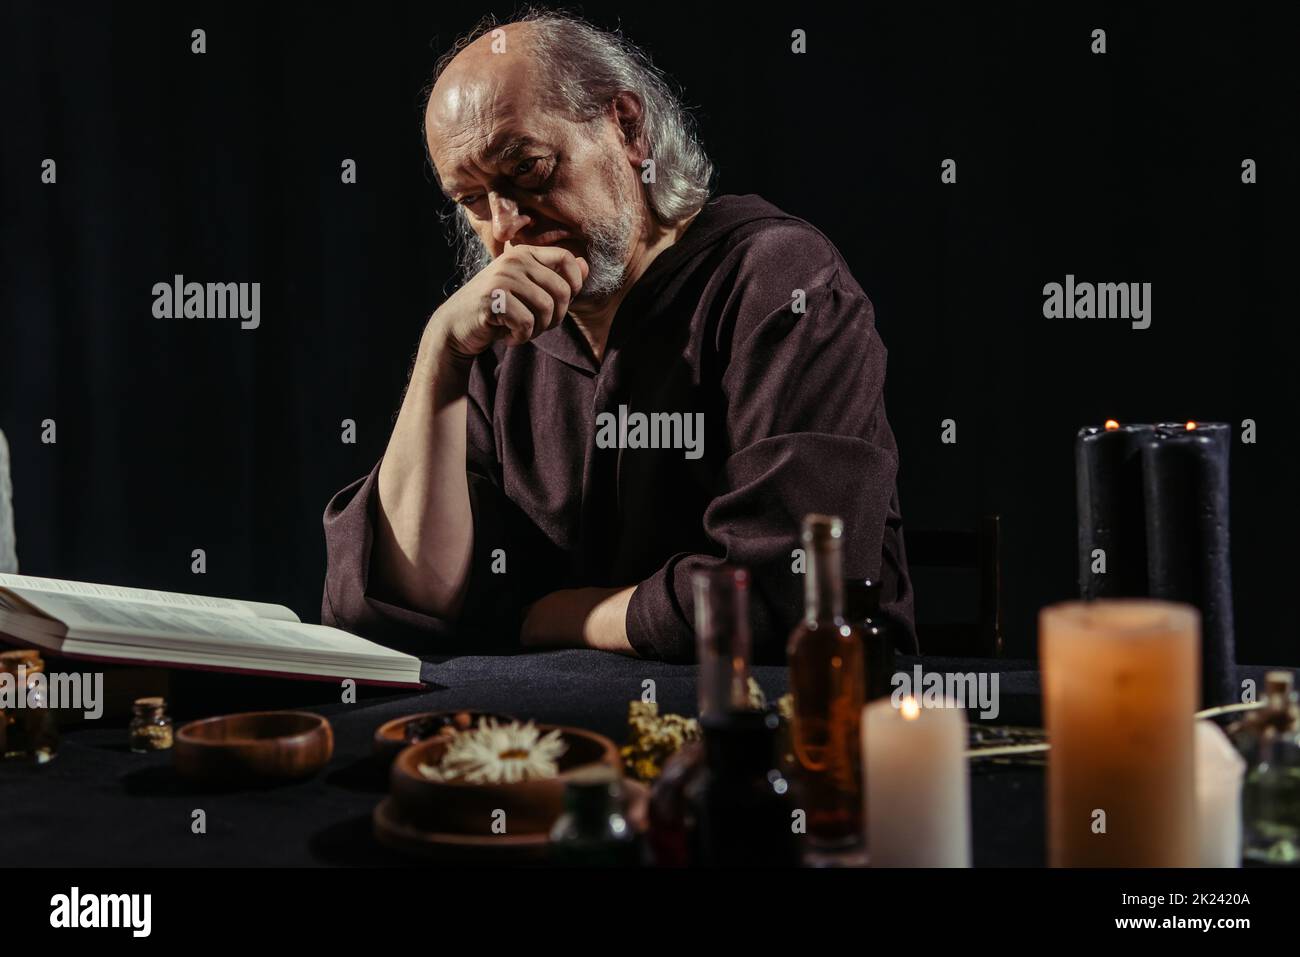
point(147, 706)
point(1279, 684)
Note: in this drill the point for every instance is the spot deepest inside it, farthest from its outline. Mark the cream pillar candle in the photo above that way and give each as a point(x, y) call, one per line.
point(1120, 690)
point(917, 795)
point(1219, 770)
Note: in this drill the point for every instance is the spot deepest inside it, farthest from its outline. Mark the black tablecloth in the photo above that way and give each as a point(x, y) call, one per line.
point(98, 804)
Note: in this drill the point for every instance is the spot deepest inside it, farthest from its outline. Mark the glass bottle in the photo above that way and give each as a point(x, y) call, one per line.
point(740, 804)
point(151, 726)
point(10, 662)
point(669, 814)
point(862, 608)
point(722, 639)
point(828, 689)
point(592, 831)
point(31, 727)
point(1269, 740)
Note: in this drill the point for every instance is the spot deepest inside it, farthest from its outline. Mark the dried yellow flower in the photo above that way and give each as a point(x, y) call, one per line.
point(785, 705)
point(654, 738)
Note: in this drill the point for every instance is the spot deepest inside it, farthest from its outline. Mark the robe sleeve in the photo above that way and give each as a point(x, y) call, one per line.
point(490, 615)
point(806, 427)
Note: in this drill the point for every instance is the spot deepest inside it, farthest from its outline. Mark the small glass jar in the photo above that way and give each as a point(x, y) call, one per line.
point(151, 726)
point(31, 728)
point(1269, 739)
point(592, 831)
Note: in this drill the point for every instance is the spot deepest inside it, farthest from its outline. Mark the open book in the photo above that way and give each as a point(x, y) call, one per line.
point(167, 629)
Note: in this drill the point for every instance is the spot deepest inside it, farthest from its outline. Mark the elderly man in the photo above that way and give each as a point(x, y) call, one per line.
point(633, 383)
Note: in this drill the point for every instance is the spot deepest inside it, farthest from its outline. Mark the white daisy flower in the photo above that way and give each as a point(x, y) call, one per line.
point(495, 753)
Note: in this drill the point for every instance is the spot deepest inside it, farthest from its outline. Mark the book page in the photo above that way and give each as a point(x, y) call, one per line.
point(162, 627)
point(147, 596)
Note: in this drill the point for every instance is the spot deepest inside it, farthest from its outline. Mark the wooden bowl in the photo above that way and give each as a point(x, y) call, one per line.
point(393, 831)
point(531, 807)
point(258, 747)
point(390, 737)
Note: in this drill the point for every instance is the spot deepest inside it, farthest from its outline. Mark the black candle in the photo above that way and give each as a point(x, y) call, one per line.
point(1186, 488)
point(1108, 482)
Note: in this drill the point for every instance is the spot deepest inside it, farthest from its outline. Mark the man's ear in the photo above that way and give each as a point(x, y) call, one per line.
point(629, 114)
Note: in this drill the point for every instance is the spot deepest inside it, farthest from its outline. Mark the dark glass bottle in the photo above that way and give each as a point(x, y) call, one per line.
point(592, 831)
point(722, 640)
point(742, 813)
point(862, 608)
point(670, 815)
point(828, 687)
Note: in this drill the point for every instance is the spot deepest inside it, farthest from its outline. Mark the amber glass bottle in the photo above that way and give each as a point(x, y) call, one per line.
point(32, 731)
point(827, 682)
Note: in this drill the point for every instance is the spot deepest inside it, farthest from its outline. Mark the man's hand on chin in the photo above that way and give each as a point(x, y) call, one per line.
point(579, 618)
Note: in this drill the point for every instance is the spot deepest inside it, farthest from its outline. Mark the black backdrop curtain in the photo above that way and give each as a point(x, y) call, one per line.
point(174, 435)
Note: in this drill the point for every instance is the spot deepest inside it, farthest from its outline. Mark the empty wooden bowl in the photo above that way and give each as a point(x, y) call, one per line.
point(258, 747)
point(530, 807)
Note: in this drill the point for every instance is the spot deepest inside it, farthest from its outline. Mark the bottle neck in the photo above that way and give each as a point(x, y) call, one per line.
point(823, 583)
point(722, 614)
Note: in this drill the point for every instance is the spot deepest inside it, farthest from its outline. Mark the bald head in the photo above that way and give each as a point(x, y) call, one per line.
point(492, 77)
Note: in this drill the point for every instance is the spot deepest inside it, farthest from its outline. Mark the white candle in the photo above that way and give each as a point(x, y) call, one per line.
point(1219, 770)
point(917, 794)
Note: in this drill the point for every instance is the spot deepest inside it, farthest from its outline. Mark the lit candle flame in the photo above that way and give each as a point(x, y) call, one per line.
point(1111, 425)
point(1191, 426)
point(909, 709)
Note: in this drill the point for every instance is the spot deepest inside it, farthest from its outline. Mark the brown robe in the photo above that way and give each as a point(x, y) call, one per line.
point(794, 422)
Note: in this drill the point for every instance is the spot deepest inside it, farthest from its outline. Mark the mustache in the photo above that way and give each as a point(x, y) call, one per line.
point(607, 249)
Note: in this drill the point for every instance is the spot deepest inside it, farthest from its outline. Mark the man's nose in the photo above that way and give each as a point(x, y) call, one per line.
point(507, 218)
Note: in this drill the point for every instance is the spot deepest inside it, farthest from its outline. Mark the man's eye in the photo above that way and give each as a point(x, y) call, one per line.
point(468, 201)
point(531, 173)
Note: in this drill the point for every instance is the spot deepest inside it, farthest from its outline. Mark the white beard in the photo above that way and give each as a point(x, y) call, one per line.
point(607, 249)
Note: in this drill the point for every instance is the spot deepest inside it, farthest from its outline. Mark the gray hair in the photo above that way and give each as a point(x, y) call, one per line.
point(584, 69)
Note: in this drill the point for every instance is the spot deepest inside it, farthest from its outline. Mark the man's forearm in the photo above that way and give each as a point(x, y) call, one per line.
point(578, 618)
point(424, 534)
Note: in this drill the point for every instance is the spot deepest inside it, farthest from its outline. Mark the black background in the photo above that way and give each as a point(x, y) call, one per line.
point(183, 434)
